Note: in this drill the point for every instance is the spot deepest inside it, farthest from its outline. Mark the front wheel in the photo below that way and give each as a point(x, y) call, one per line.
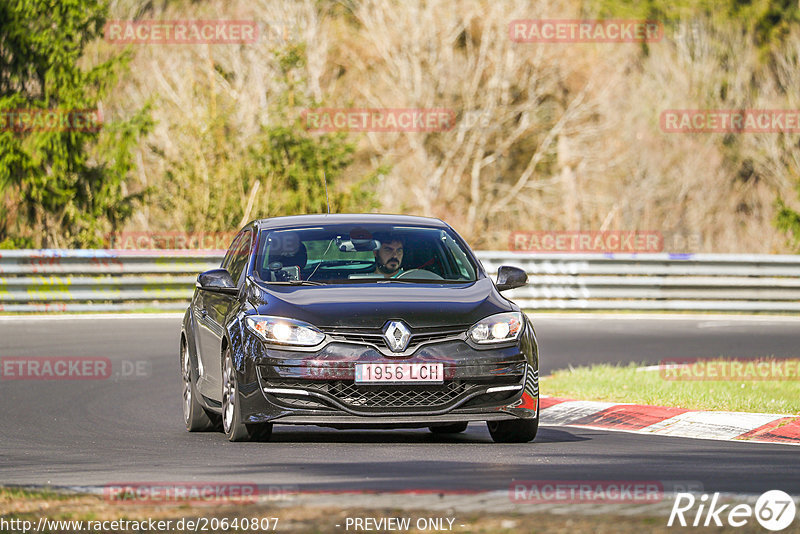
point(195, 417)
point(232, 423)
point(514, 431)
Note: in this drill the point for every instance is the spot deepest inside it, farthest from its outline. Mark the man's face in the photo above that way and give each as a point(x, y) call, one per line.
point(284, 243)
point(389, 256)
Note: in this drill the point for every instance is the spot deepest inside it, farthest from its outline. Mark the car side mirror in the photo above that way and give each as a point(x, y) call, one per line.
point(510, 277)
point(217, 281)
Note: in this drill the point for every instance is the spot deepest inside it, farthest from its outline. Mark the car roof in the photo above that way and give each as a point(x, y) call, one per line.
point(347, 218)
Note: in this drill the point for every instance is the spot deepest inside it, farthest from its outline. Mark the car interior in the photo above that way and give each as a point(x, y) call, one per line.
point(314, 255)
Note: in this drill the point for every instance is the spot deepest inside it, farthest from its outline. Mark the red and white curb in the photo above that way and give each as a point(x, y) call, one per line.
point(665, 421)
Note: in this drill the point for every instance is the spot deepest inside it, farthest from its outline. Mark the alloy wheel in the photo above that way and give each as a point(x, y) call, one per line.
point(228, 392)
point(187, 383)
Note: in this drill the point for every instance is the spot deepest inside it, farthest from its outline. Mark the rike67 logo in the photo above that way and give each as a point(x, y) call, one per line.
point(774, 510)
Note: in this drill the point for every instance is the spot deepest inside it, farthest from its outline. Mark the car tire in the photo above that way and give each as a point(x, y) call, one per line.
point(195, 416)
point(452, 428)
point(232, 424)
point(515, 431)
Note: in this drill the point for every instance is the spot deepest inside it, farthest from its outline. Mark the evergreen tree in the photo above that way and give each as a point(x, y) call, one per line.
point(63, 185)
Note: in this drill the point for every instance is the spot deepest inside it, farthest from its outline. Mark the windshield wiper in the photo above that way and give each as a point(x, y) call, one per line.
point(296, 283)
point(422, 281)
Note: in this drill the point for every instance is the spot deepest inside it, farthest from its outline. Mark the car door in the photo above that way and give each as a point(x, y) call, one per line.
point(212, 315)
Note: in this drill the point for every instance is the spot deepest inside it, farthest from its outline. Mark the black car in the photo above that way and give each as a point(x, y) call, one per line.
point(357, 320)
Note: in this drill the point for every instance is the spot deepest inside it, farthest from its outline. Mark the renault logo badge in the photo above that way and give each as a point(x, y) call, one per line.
point(396, 334)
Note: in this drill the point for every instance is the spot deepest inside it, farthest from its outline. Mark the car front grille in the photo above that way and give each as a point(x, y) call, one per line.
point(299, 402)
point(498, 398)
point(398, 396)
point(375, 337)
point(371, 398)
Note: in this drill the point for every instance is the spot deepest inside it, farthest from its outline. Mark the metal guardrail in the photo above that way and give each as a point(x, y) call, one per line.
point(674, 282)
point(100, 280)
point(108, 280)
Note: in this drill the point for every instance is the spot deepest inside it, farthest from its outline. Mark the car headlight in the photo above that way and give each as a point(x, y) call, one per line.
point(284, 331)
point(498, 328)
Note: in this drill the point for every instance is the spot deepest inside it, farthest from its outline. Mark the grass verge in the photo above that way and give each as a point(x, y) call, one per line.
point(25, 505)
point(628, 383)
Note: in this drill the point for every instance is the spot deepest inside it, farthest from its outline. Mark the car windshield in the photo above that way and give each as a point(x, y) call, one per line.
point(365, 253)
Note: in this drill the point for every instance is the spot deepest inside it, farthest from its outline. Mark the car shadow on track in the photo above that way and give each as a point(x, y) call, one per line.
point(552, 435)
point(475, 434)
point(292, 435)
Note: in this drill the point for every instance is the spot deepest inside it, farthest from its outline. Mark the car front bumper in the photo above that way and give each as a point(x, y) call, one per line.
point(318, 387)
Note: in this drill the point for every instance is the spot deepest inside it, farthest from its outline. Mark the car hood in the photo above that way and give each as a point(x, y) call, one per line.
point(370, 305)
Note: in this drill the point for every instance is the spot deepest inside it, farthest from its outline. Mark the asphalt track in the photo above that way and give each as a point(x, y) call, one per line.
point(129, 428)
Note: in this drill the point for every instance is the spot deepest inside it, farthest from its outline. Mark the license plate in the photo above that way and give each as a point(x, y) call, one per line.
point(395, 373)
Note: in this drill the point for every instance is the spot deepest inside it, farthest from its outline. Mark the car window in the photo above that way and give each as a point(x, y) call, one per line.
point(349, 254)
point(237, 257)
point(226, 261)
point(462, 263)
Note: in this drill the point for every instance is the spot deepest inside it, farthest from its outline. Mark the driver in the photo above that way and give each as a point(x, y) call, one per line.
point(389, 257)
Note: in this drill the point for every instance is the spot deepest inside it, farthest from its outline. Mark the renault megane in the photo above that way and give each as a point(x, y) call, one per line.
point(357, 321)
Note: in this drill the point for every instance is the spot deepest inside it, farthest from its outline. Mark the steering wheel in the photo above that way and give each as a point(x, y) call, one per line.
point(421, 274)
